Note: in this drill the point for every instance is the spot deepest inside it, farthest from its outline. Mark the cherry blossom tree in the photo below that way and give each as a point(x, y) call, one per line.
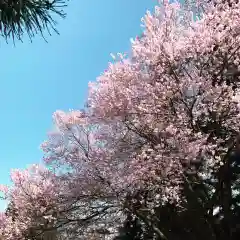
point(168, 106)
point(32, 202)
point(43, 205)
point(159, 136)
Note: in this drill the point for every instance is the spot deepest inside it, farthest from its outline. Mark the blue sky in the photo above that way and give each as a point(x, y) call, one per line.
point(38, 78)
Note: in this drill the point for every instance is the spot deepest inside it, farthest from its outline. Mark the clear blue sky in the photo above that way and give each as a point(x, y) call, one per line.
point(38, 78)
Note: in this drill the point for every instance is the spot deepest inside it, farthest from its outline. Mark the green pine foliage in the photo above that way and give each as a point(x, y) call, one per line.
point(18, 17)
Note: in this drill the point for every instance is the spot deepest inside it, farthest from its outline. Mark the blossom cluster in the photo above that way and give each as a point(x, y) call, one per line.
point(171, 102)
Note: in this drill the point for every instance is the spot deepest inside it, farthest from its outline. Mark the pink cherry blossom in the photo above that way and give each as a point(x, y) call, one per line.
point(172, 101)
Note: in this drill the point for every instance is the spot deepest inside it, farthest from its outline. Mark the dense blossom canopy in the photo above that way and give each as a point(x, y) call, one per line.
point(151, 118)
